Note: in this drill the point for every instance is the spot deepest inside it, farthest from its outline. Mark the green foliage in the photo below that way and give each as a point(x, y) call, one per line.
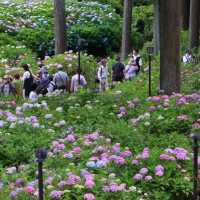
point(12, 57)
point(143, 2)
point(88, 112)
point(33, 26)
point(143, 17)
point(39, 41)
point(6, 39)
point(117, 4)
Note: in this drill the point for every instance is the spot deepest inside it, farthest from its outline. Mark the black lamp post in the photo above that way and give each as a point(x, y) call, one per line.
point(195, 146)
point(79, 60)
point(150, 51)
point(41, 155)
point(80, 44)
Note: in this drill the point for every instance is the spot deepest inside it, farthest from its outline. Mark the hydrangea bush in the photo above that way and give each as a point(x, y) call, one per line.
point(33, 25)
point(120, 146)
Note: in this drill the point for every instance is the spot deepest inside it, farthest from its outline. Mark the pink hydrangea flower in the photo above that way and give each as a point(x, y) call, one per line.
point(116, 148)
point(119, 160)
point(148, 178)
point(159, 170)
point(152, 108)
point(77, 150)
point(155, 99)
point(55, 195)
point(144, 171)
point(167, 157)
point(126, 153)
point(138, 177)
point(70, 138)
point(182, 118)
point(89, 196)
point(89, 183)
point(135, 162)
point(68, 155)
point(181, 154)
point(145, 154)
point(30, 189)
point(73, 179)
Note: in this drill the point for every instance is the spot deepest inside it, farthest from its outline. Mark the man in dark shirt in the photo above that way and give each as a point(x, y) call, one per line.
point(118, 71)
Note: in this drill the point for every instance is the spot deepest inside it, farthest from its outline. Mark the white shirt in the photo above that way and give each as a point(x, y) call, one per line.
point(26, 75)
point(75, 82)
point(51, 87)
point(102, 73)
point(130, 71)
point(135, 57)
point(33, 96)
point(187, 58)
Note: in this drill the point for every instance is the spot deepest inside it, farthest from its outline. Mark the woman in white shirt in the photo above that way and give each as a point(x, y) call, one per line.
point(130, 70)
point(102, 75)
point(75, 85)
point(27, 81)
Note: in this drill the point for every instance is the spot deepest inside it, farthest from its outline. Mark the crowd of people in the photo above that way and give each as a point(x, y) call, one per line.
point(120, 71)
point(30, 86)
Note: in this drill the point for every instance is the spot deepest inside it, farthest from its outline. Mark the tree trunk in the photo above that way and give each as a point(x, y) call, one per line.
point(126, 32)
point(194, 23)
point(157, 26)
point(185, 14)
point(60, 35)
point(170, 13)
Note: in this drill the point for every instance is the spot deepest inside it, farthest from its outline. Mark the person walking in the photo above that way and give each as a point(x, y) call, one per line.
point(137, 59)
point(75, 85)
point(118, 71)
point(131, 70)
point(60, 78)
point(102, 75)
point(43, 72)
point(27, 81)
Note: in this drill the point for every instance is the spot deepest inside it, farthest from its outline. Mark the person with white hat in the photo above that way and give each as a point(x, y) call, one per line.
point(60, 78)
point(102, 75)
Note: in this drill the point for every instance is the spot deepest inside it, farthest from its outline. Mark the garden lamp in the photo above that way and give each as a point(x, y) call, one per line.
point(79, 47)
point(41, 155)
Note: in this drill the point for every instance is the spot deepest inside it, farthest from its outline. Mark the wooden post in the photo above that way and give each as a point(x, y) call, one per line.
point(170, 46)
point(60, 26)
point(126, 32)
point(194, 23)
point(185, 14)
point(157, 26)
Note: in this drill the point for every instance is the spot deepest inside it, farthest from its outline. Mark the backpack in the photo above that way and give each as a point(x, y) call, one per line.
point(42, 87)
point(137, 60)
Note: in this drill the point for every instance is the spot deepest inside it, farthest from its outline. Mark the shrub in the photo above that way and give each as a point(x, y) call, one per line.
point(12, 57)
point(142, 25)
point(33, 27)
